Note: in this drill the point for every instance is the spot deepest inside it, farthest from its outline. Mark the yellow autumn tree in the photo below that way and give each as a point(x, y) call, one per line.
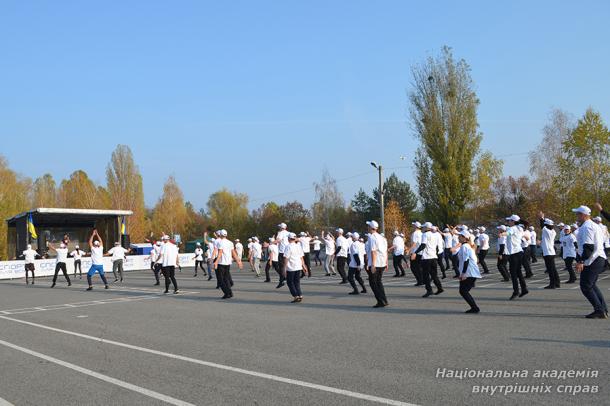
point(14, 199)
point(395, 219)
point(170, 214)
point(79, 192)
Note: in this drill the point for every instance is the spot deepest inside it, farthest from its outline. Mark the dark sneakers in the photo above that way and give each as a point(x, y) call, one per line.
point(597, 315)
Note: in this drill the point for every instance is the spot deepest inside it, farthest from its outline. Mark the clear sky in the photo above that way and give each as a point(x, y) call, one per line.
point(259, 96)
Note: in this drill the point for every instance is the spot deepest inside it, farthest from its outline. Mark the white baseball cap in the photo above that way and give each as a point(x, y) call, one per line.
point(355, 235)
point(560, 225)
point(96, 243)
point(434, 228)
point(283, 226)
point(292, 236)
point(427, 224)
point(501, 227)
point(76, 246)
point(567, 228)
point(158, 243)
point(548, 222)
point(30, 246)
point(62, 245)
point(302, 233)
point(583, 210)
point(482, 229)
point(223, 233)
point(339, 230)
point(513, 217)
point(416, 224)
point(597, 219)
point(373, 224)
point(464, 233)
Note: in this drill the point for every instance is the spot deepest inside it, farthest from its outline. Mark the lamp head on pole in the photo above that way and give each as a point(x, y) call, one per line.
point(374, 164)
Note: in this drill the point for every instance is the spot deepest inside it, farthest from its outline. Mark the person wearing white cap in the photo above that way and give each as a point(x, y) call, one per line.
point(198, 259)
point(598, 220)
point(60, 262)
point(294, 264)
point(483, 248)
point(209, 254)
point(377, 262)
point(97, 260)
point(525, 245)
point(169, 259)
point(341, 254)
point(118, 256)
point(469, 271)
point(155, 254)
point(429, 251)
point(305, 241)
point(239, 247)
point(590, 259)
point(502, 257)
point(317, 245)
point(274, 254)
point(78, 254)
point(547, 243)
point(356, 262)
point(514, 250)
point(447, 243)
point(226, 255)
point(398, 254)
point(329, 251)
point(606, 216)
point(415, 261)
point(249, 248)
point(532, 247)
point(255, 252)
point(440, 242)
point(29, 255)
point(282, 243)
point(568, 251)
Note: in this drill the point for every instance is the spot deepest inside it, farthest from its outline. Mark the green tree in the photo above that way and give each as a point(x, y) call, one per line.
point(265, 219)
point(229, 210)
point(170, 213)
point(444, 115)
point(395, 190)
point(296, 216)
point(487, 172)
point(362, 208)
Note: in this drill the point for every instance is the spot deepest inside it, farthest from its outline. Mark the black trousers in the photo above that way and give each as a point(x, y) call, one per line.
point(307, 259)
point(447, 258)
point(397, 262)
point(377, 285)
point(465, 286)
point(353, 275)
point(515, 261)
point(569, 261)
point(502, 262)
point(169, 273)
point(29, 268)
point(441, 264)
point(267, 268)
point(224, 277)
point(430, 274)
point(341, 261)
point(62, 266)
point(455, 262)
point(549, 263)
point(532, 249)
point(77, 265)
point(276, 266)
point(156, 271)
point(200, 264)
point(481, 256)
point(588, 285)
point(525, 262)
point(416, 269)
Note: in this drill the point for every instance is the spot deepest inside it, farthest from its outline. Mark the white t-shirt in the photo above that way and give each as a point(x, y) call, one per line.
point(199, 254)
point(294, 255)
point(282, 236)
point(62, 255)
point(316, 245)
point(343, 246)
point(77, 254)
point(97, 255)
point(591, 233)
point(274, 252)
point(239, 248)
point(227, 247)
point(547, 243)
point(416, 238)
point(379, 245)
point(330, 245)
point(525, 239)
point(356, 249)
point(501, 241)
point(30, 256)
point(169, 252)
point(484, 242)
point(513, 240)
point(304, 241)
point(117, 253)
point(533, 238)
point(154, 254)
point(210, 252)
point(257, 250)
point(567, 245)
point(399, 245)
point(429, 252)
point(448, 239)
point(466, 253)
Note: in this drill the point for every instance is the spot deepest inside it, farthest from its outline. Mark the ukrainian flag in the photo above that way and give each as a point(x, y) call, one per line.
point(123, 226)
point(31, 228)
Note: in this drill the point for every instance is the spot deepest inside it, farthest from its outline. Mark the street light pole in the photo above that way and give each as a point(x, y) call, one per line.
point(381, 203)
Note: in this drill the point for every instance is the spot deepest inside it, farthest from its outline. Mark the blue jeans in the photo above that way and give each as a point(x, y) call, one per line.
point(588, 285)
point(293, 278)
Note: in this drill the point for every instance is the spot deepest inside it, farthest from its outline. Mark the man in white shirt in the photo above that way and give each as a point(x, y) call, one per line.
point(281, 239)
point(547, 243)
point(483, 248)
point(317, 245)
point(294, 264)
point(329, 251)
point(274, 255)
point(440, 244)
point(447, 243)
point(97, 259)
point(209, 254)
point(199, 259)
point(60, 262)
point(415, 262)
point(305, 241)
point(428, 249)
point(514, 250)
point(525, 246)
point(239, 247)
point(226, 255)
point(155, 255)
point(341, 253)
point(568, 251)
point(590, 260)
point(356, 263)
point(78, 254)
point(118, 256)
point(377, 262)
point(169, 261)
point(29, 255)
point(532, 247)
point(398, 254)
point(255, 253)
point(502, 255)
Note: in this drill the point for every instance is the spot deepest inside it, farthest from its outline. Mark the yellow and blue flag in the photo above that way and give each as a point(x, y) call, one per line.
point(123, 226)
point(31, 228)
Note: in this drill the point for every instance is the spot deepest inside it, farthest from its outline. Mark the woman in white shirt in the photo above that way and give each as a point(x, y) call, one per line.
point(77, 254)
point(547, 243)
point(316, 251)
point(329, 243)
point(294, 264)
point(60, 264)
point(568, 251)
point(469, 270)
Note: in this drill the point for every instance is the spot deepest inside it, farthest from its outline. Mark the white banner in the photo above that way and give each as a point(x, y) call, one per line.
point(46, 267)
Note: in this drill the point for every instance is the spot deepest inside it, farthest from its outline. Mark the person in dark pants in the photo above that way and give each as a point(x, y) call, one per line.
point(77, 254)
point(440, 251)
point(398, 254)
point(342, 245)
point(274, 261)
point(169, 261)
point(590, 260)
point(415, 261)
point(547, 243)
point(377, 257)
point(199, 260)
point(356, 262)
point(502, 257)
point(483, 248)
point(265, 260)
point(568, 251)
point(469, 271)
point(447, 243)
point(294, 264)
point(60, 264)
point(226, 255)
point(429, 251)
point(514, 250)
point(525, 245)
point(29, 255)
point(305, 241)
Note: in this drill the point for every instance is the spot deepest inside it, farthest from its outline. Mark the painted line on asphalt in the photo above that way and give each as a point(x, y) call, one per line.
point(295, 382)
point(76, 305)
point(102, 377)
point(4, 402)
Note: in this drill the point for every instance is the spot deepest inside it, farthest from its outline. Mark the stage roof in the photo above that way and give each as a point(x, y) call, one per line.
point(73, 212)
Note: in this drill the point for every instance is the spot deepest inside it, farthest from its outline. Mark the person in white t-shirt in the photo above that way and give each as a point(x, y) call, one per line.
point(274, 254)
point(305, 241)
point(97, 259)
point(356, 263)
point(239, 247)
point(547, 243)
point(514, 250)
point(415, 261)
point(169, 259)
point(317, 245)
point(483, 248)
point(568, 251)
point(255, 254)
point(294, 264)
point(341, 248)
point(440, 244)
point(329, 251)
point(398, 254)
point(469, 270)
point(590, 260)
point(428, 249)
point(525, 246)
point(155, 255)
point(29, 255)
point(199, 260)
point(118, 257)
point(377, 246)
point(78, 254)
point(502, 255)
point(532, 247)
point(226, 255)
point(60, 262)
